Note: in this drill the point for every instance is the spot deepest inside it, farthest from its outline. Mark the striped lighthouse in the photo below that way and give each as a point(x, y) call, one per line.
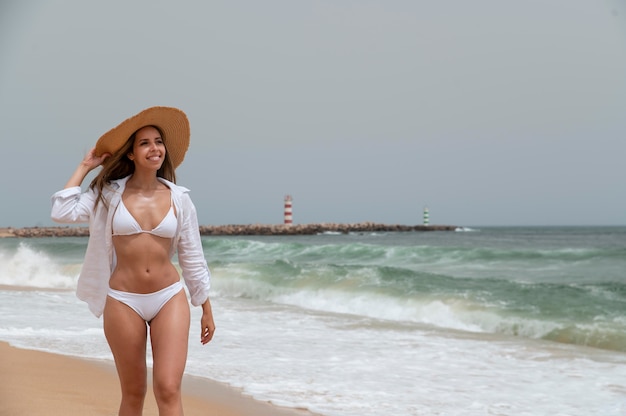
point(426, 216)
point(288, 217)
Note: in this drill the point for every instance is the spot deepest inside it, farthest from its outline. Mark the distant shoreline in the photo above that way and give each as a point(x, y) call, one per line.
point(243, 229)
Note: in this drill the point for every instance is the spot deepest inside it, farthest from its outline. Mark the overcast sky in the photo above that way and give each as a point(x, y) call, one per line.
point(489, 112)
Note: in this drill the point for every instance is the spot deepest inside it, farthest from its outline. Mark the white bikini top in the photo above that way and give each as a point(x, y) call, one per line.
point(125, 224)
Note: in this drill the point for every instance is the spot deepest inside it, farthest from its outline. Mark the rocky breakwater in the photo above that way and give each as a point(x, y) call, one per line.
point(244, 229)
point(34, 232)
point(319, 228)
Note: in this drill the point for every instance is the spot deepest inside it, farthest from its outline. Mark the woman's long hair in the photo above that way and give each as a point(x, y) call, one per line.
point(118, 166)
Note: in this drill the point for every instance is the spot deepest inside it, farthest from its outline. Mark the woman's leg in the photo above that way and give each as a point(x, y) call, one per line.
point(126, 334)
point(169, 333)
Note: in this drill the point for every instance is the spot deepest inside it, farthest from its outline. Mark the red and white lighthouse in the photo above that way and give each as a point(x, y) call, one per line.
point(288, 217)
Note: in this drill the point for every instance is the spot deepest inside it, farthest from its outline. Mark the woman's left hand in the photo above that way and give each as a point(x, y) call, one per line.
point(206, 323)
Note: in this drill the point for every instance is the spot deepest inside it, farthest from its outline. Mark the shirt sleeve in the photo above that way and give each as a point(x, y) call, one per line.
point(71, 206)
point(191, 255)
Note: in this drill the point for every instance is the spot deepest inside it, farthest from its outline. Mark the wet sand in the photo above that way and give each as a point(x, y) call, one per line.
point(40, 383)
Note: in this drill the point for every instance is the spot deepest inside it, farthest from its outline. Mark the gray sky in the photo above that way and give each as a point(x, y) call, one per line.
point(490, 112)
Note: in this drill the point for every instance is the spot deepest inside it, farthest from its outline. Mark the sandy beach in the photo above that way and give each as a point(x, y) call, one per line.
point(39, 383)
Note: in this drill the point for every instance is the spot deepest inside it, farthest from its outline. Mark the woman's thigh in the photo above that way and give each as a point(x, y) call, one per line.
point(126, 334)
point(169, 334)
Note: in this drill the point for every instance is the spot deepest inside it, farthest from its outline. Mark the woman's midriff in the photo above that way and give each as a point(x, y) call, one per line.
point(143, 264)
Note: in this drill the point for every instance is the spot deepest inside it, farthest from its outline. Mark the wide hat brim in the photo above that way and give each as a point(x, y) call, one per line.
point(171, 121)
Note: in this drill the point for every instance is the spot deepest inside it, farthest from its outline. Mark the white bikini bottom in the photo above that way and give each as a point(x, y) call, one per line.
point(147, 305)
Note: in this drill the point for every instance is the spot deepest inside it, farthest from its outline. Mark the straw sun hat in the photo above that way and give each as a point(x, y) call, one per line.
point(171, 121)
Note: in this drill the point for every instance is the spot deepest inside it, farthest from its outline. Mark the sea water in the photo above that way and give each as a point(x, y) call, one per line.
point(489, 321)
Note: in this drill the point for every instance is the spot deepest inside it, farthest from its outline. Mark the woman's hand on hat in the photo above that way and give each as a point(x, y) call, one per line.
point(91, 161)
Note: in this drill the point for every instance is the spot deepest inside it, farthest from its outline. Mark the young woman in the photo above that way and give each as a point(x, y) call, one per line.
point(138, 219)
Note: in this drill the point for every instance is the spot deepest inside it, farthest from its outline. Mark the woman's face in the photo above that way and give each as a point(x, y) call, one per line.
point(148, 148)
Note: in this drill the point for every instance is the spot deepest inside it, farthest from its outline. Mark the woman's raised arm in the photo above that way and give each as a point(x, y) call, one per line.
point(90, 162)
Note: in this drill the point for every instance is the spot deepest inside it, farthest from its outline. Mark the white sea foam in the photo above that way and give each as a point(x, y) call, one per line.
point(345, 365)
point(32, 268)
point(465, 229)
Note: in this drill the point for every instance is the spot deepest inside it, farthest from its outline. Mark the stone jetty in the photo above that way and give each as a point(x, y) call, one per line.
point(244, 229)
point(311, 229)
